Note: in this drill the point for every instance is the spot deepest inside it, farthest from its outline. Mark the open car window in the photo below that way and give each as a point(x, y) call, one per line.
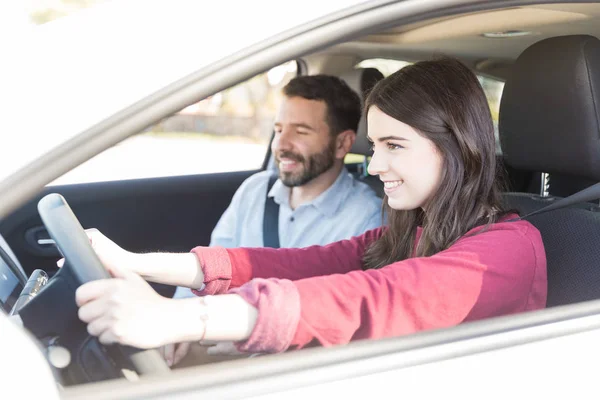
point(229, 131)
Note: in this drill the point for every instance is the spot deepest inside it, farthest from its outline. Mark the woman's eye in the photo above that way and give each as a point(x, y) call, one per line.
point(393, 146)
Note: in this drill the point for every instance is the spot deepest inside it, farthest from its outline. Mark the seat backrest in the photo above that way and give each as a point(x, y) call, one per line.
point(549, 121)
point(565, 185)
point(362, 81)
point(572, 242)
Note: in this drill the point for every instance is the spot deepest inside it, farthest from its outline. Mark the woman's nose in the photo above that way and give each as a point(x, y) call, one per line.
point(377, 165)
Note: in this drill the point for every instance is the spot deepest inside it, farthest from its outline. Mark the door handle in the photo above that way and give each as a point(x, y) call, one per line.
point(39, 242)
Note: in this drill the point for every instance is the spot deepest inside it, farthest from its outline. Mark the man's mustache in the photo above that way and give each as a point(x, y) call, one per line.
point(290, 155)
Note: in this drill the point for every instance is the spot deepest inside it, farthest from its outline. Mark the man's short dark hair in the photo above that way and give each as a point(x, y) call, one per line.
point(343, 104)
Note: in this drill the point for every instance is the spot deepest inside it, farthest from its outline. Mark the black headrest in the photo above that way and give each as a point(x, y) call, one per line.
point(550, 108)
point(362, 81)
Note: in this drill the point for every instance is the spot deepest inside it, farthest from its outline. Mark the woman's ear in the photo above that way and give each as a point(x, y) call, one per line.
point(343, 143)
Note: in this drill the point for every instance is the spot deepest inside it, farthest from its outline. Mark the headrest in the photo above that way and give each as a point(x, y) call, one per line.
point(362, 80)
point(550, 108)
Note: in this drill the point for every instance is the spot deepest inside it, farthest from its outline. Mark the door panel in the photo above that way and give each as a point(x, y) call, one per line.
point(171, 214)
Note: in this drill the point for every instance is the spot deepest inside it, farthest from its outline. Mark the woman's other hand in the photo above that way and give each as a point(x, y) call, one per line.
point(127, 310)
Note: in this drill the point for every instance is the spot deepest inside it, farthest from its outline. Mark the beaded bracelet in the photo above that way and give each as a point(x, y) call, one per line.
point(204, 314)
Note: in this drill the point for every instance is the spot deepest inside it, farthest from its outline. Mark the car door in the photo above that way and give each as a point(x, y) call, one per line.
point(165, 188)
point(167, 214)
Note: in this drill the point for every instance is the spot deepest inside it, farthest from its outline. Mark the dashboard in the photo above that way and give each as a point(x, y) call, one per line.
point(12, 277)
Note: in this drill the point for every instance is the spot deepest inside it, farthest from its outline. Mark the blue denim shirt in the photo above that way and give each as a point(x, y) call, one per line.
point(347, 208)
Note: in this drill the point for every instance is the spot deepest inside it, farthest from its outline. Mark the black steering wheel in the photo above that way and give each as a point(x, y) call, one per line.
point(82, 265)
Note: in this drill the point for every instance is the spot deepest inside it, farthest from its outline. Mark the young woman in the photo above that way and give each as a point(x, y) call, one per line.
point(450, 254)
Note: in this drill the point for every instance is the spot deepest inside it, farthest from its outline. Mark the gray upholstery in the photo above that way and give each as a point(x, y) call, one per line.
point(362, 81)
point(566, 185)
point(551, 109)
point(361, 145)
point(549, 122)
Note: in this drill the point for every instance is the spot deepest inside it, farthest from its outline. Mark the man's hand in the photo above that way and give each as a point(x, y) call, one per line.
point(175, 352)
point(128, 311)
point(224, 349)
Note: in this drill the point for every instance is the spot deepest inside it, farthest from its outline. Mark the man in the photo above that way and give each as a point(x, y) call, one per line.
point(319, 201)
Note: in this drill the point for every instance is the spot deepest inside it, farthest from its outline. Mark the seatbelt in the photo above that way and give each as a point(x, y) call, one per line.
point(585, 195)
point(271, 218)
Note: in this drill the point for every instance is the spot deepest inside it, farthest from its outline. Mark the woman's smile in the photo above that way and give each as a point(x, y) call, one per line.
point(392, 186)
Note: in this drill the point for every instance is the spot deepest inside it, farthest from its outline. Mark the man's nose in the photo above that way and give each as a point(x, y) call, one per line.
point(283, 141)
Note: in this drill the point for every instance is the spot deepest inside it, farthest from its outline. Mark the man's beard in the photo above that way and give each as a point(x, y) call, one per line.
point(313, 167)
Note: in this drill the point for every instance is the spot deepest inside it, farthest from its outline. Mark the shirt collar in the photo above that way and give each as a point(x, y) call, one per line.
point(327, 202)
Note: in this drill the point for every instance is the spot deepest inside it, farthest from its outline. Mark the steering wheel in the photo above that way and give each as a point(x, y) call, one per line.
point(83, 263)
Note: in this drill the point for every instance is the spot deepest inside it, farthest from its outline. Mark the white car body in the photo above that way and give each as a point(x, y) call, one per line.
point(95, 63)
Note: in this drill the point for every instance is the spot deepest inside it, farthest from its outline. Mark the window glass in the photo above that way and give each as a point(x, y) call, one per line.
point(385, 66)
point(229, 131)
point(493, 91)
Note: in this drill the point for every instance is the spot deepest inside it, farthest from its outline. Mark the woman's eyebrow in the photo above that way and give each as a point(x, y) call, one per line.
point(383, 139)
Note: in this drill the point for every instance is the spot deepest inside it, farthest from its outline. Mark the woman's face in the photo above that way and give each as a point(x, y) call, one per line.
point(409, 165)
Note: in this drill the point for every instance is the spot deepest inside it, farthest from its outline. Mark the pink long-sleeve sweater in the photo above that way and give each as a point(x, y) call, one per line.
point(320, 294)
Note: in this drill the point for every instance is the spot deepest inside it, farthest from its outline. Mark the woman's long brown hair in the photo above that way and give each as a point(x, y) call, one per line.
point(444, 102)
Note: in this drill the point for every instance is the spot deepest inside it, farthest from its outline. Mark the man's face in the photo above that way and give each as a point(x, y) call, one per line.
point(302, 146)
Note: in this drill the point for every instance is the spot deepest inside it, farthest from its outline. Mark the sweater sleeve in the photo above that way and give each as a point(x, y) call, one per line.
point(225, 268)
point(490, 274)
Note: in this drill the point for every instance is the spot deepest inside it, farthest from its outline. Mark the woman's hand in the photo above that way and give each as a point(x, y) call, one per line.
point(168, 268)
point(110, 254)
point(128, 311)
